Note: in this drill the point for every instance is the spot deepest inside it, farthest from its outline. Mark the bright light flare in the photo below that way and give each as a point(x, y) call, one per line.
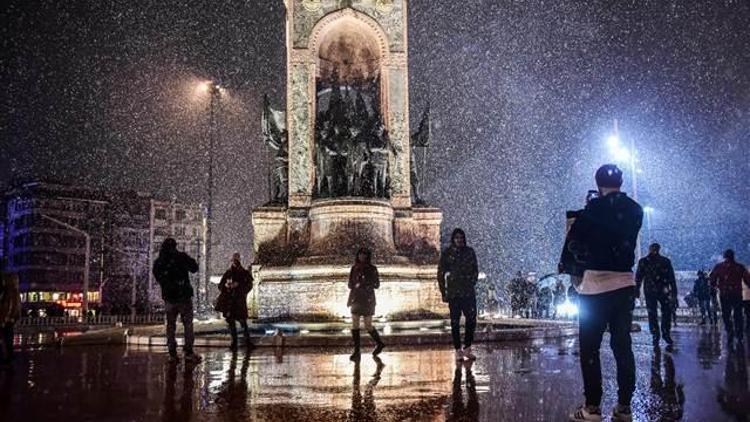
point(648, 210)
point(567, 309)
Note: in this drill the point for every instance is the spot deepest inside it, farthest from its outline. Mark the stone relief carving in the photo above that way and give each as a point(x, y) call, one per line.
point(388, 13)
point(300, 145)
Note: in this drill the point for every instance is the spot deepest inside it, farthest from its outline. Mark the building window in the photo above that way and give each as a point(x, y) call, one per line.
point(180, 215)
point(160, 214)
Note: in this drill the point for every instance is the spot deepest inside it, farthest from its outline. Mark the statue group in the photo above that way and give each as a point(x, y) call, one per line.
point(352, 147)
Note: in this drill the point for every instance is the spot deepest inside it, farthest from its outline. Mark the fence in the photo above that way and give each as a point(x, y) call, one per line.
point(96, 320)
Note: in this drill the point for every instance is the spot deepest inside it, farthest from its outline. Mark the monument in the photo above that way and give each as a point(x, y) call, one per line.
point(345, 172)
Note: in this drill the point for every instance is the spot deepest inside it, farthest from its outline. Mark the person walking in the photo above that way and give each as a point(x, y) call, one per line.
point(171, 270)
point(605, 232)
point(517, 288)
point(702, 293)
point(656, 275)
point(234, 286)
point(10, 313)
point(729, 277)
point(363, 280)
point(457, 278)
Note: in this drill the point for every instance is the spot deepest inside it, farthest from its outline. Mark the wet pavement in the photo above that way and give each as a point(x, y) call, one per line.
point(522, 381)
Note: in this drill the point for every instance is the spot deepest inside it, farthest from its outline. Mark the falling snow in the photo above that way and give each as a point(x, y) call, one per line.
point(523, 95)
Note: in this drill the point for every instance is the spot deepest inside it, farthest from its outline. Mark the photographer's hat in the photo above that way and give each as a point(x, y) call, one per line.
point(609, 176)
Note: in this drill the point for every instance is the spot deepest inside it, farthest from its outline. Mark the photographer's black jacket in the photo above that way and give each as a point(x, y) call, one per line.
point(604, 233)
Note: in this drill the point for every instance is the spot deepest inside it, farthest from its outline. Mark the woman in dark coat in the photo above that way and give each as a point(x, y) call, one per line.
point(363, 280)
point(235, 284)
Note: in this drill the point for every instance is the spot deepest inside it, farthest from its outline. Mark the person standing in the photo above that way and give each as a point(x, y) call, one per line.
point(702, 293)
point(729, 277)
point(656, 275)
point(10, 313)
point(363, 280)
point(234, 286)
point(605, 232)
point(457, 279)
point(559, 293)
point(171, 270)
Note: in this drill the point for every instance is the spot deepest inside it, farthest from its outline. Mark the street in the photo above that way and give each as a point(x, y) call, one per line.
point(526, 381)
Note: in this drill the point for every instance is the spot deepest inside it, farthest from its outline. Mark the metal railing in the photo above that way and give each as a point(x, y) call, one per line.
point(95, 320)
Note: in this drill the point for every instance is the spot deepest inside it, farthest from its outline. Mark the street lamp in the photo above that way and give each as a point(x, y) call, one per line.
point(627, 155)
point(648, 210)
point(87, 259)
point(215, 91)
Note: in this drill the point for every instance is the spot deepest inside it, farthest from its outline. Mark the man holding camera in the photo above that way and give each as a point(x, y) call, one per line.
point(603, 238)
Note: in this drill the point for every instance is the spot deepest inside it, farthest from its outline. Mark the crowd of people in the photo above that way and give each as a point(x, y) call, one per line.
point(531, 298)
point(598, 256)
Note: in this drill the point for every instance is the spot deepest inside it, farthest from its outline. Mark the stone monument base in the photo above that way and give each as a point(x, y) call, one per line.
point(285, 291)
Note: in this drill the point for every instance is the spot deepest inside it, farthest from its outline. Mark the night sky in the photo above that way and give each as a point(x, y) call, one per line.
point(523, 97)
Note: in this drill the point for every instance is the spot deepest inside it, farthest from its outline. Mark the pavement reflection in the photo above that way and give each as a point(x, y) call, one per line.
point(531, 381)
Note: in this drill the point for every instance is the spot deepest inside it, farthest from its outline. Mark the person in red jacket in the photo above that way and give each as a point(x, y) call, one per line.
point(728, 276)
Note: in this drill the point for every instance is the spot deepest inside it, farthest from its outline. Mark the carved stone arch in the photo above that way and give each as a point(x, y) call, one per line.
point(330, 20)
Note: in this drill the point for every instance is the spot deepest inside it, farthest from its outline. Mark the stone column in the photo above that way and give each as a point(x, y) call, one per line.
point(300, 123)
point(398, 128)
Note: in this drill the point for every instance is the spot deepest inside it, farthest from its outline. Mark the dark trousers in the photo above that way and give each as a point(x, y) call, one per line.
point(746, 307)
point(596, 313)
point(653, 301)
point(185, 311)
point(705, 306)
point(7, 337)
point(233, 329)
point(468, 307)
point(731, 314)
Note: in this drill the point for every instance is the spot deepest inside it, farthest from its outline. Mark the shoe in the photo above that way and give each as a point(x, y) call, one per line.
point(586, 414)
point(459, 355)
point(193, 358)
point(622, 413)
point(468, 354)
point(379, 345)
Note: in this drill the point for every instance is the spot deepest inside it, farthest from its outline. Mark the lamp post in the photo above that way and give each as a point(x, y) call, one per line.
point(622, 153)
point(648, 210)
point(214, 90)
point(87, 259)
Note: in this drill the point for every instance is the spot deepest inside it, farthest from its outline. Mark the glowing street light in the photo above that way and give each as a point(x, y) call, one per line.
point(626, 155)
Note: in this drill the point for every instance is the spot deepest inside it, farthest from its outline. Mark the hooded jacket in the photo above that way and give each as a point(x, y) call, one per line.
point(171, 270)
point(458, 270)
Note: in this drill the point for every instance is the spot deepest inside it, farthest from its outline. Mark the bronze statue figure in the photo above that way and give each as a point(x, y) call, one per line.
point(275, 136)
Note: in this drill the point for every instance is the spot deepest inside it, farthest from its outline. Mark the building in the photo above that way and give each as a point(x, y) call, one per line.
point(46, 228)
point(186, 224)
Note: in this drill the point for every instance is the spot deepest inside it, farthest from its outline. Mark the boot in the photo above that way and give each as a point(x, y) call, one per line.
point(248, 344)
point(356, 339)
point(379, 345)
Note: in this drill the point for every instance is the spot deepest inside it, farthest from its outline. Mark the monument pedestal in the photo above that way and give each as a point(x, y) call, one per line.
point(304, 255)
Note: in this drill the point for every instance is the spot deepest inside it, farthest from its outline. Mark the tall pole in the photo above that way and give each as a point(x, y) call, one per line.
point(648, 225)
point(215, 92)
point(87, 259)
point(634, 183)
